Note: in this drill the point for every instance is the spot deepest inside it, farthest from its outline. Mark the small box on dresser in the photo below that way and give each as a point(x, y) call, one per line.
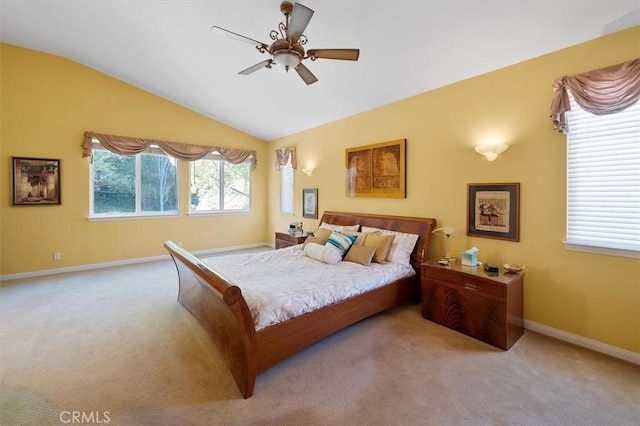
point(486, 306)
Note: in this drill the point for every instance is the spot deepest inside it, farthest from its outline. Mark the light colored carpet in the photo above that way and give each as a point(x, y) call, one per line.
point(115, 344)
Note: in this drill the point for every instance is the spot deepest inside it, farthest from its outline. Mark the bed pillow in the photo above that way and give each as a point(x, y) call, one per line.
point(316, 240)
point(402, 246)
point(323, 253)
point(360, 254)
point(341, 242)
point(382, 243)
point(339, 228)
point(323, 234)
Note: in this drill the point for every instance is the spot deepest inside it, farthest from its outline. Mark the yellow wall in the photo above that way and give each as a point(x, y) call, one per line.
point(47, 104)
point(594, 296)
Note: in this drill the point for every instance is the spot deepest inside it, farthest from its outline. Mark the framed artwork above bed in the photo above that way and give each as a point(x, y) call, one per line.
point(376, 170)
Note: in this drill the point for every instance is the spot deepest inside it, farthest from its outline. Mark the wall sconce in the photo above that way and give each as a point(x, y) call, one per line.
point(308, 171)
point(492, 151)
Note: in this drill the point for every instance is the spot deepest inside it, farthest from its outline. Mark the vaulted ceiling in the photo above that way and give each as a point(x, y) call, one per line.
point(406, 47)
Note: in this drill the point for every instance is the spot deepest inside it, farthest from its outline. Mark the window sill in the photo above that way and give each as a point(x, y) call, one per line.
point(133, 217)
point(602, 250)
point(218, 213)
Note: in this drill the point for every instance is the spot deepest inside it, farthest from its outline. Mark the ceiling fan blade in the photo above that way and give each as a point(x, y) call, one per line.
point(305, 74)
point(264, 64)
point(342, 54)
point(239, 37)
point(300, 17)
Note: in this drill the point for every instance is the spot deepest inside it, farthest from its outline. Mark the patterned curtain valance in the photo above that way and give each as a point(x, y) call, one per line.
point(604, 91)
point(282, 157)
point(125, 145)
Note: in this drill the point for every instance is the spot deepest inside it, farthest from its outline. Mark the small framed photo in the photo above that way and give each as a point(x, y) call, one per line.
point(493, 210)
point(36, 181)
point(310, 203)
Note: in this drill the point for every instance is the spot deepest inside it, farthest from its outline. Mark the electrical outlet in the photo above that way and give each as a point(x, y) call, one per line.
point(56, 256)
point(180, 243)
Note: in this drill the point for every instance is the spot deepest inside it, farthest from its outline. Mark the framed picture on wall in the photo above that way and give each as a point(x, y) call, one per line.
point(310, 203)
point(36, 181)
point(493, 210)
point(376, 170)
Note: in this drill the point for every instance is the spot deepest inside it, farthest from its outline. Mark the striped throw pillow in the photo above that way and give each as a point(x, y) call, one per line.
point(341, 241)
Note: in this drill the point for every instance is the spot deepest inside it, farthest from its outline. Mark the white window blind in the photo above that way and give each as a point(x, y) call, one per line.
point(603, 174)
point(286, 188)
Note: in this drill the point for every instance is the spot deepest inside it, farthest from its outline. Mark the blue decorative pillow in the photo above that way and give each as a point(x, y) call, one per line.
point(341, 241)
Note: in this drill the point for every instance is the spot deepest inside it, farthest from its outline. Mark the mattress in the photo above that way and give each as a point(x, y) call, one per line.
point(281, 284)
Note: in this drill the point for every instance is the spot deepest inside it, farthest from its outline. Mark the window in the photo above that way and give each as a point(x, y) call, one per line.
point(140, 185)
point(603, 174)
point(286, 188)
point(219, 186)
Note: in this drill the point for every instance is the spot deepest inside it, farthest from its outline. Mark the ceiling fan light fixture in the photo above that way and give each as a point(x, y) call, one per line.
point(287, 59)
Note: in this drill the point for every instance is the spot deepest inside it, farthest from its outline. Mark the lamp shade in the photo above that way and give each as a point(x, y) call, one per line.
point(287, 59)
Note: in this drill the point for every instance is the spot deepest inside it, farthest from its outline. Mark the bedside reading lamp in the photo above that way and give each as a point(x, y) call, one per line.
point(448, 233)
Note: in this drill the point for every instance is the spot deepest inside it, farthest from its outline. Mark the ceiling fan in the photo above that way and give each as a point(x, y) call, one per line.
point(287, 48)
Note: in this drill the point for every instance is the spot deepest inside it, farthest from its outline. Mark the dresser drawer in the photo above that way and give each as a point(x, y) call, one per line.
point(483, 325)
point(472, 302)
point(465, 281)
point(469, 312)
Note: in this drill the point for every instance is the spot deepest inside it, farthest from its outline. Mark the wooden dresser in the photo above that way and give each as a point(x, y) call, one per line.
point(483, 305)
point(284, 239)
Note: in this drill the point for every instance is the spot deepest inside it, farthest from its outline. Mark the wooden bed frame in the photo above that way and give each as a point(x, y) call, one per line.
point(223, 312)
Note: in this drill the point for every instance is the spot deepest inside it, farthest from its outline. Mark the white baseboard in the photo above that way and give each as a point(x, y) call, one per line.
point(594, 345)
point(123, 262)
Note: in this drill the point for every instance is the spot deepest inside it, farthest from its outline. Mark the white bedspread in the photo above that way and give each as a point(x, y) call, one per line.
point(281, 284)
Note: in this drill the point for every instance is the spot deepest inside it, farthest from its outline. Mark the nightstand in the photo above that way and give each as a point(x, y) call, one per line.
point(284, 239)
point(483, 305)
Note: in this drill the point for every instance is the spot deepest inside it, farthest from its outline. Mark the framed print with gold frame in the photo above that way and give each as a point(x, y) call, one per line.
point(376, 170)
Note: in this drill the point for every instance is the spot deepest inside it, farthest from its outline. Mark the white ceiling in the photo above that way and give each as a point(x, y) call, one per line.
point(406, 47)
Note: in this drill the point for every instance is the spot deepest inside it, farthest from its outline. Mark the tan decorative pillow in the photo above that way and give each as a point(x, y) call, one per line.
point(402, 246)
point(313, 240)
point(382, 243)
point(360, 254)
point(323, 234)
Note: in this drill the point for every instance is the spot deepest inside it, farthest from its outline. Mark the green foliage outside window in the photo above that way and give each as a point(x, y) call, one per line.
point(209, 175)
point(115, 183)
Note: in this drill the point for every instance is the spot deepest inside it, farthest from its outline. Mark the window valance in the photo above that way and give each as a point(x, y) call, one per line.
point(125, 145)
point(603, 91)
point(282, 157)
